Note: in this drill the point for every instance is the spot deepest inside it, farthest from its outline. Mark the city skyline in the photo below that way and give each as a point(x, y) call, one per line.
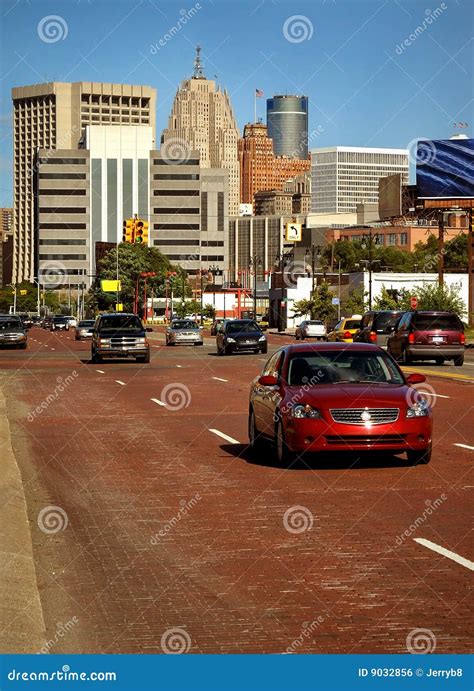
point(360, 66)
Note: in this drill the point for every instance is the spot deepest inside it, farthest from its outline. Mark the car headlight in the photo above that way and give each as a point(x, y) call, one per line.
point(141, 340)
point(304, 411)
point(230, 339)
point(104, 341)
point(420, 409)
point(262, 338)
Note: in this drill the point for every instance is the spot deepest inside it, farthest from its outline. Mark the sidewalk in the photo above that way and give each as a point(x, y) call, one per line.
point(22, 627)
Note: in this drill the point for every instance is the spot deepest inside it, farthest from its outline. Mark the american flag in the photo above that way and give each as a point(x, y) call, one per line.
point(258, 93)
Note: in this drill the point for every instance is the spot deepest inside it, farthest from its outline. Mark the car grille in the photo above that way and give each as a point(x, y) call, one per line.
point(375, 440)
point(10, 337)
point(123, 341)
point(353, 416)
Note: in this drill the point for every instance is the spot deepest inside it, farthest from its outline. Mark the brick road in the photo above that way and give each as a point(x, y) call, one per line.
point(171, 526)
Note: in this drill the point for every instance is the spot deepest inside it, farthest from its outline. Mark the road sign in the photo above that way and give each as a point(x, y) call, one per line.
point(110, 286)
point(413, 302)
point(119, 307)
point(293, 232)
point(335, 301)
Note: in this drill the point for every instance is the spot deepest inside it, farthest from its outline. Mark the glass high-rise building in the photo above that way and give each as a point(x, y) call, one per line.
point(287, 123)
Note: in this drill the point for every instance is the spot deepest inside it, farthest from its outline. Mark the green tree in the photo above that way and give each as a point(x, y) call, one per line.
point(432, 296)
point(319, 306)
point(209, 312)
point(356, 303)
point(183, 309)
point(392, 299)
point(133, 260)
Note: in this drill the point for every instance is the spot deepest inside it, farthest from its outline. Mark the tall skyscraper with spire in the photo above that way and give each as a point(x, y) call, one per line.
point(202, 118)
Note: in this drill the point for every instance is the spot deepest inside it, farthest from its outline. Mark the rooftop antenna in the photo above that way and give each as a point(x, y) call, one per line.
point(198, 73)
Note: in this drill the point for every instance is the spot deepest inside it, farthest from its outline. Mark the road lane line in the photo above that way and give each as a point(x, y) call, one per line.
point(53, 348)
point(156, 400)
point(219, 379)
point(179, 365)
point(122, 383)
point(101, 371)
point(429, 393)
point(224, 436)
point(465, 446)
point(445, 552)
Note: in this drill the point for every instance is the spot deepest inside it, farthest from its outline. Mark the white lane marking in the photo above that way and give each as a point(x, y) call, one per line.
point(53, 348)
point(224, 436)
point(429, 393)
point(469, 364)
point(122, 383)
point(219, 379)
point(445, 552)
point(179, 365)
point(101, 371)
point(158, 402)
point(465, 446)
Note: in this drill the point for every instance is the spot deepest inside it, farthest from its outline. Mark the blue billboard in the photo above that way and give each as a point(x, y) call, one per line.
point(445, 169)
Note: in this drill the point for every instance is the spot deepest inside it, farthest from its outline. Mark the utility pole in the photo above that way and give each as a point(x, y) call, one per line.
point(470, 268)
point(440, 248)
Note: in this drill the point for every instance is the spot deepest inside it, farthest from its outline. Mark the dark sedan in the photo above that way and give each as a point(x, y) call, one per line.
point(338, 397)
point(239, 335)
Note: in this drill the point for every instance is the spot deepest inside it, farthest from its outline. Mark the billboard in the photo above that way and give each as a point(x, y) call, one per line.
point(445, 169)
point(390, 196)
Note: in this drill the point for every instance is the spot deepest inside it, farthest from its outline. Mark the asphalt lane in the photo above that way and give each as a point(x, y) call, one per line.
point(172, 524)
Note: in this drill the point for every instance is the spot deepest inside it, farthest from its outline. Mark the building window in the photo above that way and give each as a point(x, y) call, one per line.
point(62, 176)
point(62, 241)
point(63, 226)
point(220, 211)
point(177, 243)
point(70, 193)
point(127, 188)
point(62, 210)
point(143, 189)
point(176, 176)
point(75, 257)
point(204, 211)
point(176, 193)
point(392, 238)
point(96, 200)
point(403, 238)
point(184, 211)
point(63, 161)
point(176, 226)
point(176, 162)
point(111, 200)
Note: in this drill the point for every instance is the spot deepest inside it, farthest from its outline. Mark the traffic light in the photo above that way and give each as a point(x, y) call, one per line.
point(145, 232)
point(128, 230)
point(139, 232)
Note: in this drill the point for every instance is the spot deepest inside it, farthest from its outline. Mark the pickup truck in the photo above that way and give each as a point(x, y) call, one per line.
point(120, 335)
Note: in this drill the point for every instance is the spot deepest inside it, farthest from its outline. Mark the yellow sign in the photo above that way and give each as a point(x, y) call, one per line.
point(23, 292)
point(119, 307)
point(293, 232)
point(110, 286)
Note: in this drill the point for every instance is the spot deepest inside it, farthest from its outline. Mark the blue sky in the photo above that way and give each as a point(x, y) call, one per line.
point(366, 86)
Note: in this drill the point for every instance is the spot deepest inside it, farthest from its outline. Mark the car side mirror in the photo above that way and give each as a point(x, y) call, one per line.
point(268, 380)
point(416, 378)
point(149, 329)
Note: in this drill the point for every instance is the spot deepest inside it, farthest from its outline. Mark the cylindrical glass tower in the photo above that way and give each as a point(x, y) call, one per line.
point(287, 123)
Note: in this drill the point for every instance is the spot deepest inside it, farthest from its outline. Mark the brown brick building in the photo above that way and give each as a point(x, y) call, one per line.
point(260, 169)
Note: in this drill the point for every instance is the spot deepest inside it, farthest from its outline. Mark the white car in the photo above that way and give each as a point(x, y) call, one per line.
point(311, 328)
point(72, 321)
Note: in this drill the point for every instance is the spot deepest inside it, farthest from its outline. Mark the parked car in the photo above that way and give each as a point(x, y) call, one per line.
point(311, 328)
point(118, 334)
point(240, 334)
point(59, 323)
point(12, 332)
point(344, 330)
point(184, 331)
point(338, 397)
point(437, 336)
point(376, 326)
point(84, 329)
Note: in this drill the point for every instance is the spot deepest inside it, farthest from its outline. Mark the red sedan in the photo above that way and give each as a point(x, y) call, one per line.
point(338, 397)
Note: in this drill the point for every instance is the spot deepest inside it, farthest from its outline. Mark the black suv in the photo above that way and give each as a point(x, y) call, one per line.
point(240, 334)
point(121, 335)
point(377, 326)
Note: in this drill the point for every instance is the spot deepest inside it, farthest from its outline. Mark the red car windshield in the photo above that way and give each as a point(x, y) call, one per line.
point(342, 366)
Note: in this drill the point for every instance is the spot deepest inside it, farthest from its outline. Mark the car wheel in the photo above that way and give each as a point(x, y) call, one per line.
point(282, 453)
point(439, 361)
point(406, 359)
point(297, 337)
point(143, 358)
point(264, 350)
point(199, 343)
point(459, 361)
point(23, 346)
point(255, 438)
point(419, 457)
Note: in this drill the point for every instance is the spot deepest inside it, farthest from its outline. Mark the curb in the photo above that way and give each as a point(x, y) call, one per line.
point(21, 618)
